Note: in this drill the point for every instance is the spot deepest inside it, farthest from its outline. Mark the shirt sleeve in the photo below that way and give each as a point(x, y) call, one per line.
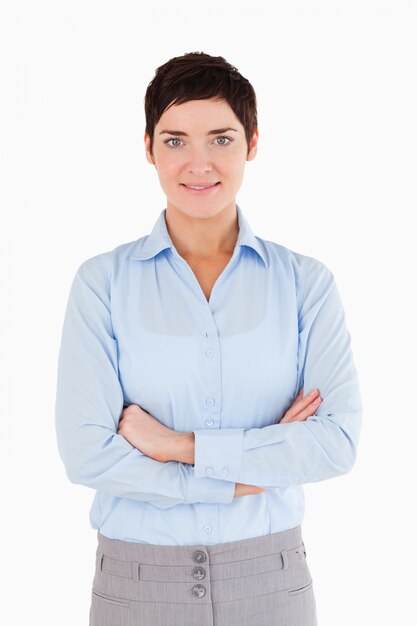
point(89, 402)
point(324, 445)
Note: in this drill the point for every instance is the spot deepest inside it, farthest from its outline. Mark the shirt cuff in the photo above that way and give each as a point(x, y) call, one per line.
point(209, 491)
point(218, 453)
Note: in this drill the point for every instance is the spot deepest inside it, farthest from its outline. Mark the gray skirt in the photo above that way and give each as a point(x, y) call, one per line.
point(260, 581)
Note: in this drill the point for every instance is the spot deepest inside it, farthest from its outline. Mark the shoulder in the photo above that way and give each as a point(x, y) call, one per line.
point(307, 276)
point(109, 262)
point(302, 266)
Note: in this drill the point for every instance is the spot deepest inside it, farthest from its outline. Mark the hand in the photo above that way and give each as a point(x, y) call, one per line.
point(143, 431)
point(300, 410)
point(302, 407)
point(246, 490)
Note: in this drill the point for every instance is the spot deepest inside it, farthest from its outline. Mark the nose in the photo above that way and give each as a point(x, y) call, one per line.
point(199, 163)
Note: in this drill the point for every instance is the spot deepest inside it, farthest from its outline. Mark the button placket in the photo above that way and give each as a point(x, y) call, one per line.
point(198, 573)
point(211, 410)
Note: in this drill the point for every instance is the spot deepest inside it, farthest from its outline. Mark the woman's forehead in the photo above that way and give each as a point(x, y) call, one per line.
point(207, 113)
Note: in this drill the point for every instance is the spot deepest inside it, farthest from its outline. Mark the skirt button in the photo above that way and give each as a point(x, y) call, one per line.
point(198, 573)
point(198, 591)
point(199, 556)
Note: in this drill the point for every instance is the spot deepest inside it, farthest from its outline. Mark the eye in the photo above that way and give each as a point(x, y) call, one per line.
point(171, 139)
point(224, 137)
point(222, 145)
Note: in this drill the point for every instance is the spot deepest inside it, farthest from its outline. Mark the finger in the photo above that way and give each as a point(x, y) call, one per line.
point(298, 397)
point(305, 413)
point(299, 405)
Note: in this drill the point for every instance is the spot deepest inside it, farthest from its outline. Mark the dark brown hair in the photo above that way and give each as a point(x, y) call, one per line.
point(198, 76)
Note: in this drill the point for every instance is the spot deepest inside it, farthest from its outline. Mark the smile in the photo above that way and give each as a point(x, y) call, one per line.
point(200, 189)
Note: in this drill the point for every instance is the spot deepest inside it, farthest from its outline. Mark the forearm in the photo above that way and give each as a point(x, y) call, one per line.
point(279, 455)
point(183, 451)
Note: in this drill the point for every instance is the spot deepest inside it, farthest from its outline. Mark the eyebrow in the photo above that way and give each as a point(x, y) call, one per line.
point(179, 133)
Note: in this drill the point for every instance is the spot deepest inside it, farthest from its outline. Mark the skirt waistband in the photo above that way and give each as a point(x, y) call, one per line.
point(284, 541)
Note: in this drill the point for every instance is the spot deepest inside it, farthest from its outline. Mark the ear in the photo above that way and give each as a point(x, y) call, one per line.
point(253, 146)
point(148, 154)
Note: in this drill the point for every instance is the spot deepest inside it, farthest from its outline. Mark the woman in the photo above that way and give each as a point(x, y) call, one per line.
point(183, 360)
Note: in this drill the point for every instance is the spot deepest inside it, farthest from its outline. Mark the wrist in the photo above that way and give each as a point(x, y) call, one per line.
point(184, 447)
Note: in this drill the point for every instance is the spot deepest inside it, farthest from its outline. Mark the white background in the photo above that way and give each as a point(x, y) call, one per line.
point(334, 178)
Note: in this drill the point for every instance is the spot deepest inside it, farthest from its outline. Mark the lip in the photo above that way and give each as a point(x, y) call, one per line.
point(201, 184)
point(204, 191)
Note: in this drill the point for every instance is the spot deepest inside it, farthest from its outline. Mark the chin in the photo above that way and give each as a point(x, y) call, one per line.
point(197, 209)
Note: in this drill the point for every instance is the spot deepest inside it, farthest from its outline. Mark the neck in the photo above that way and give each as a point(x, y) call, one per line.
point(203, 237)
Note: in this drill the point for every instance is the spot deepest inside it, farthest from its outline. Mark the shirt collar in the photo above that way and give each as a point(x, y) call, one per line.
point(159, 239)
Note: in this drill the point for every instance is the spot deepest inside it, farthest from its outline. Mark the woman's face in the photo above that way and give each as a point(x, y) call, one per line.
point(192, 154)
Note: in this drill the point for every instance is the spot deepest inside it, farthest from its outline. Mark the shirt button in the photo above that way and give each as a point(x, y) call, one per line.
point(198, 573)
point(209, 471)
point(199, 556)
point(198, 591)
point(224, 471)
point(209, 352)
point(207, 528)
point(210, 401)
point(209, 422)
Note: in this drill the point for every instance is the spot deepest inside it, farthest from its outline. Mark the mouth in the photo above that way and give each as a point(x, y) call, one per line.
point(200, 189)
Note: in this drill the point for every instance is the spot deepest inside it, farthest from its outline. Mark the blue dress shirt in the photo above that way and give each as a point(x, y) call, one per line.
point(139, 329)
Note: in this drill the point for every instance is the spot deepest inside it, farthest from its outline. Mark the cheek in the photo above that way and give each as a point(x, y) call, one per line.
point(235, 172)
point(233, 163)
point(168, 175)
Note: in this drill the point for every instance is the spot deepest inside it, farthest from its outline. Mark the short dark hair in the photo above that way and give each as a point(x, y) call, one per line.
point(198, 76)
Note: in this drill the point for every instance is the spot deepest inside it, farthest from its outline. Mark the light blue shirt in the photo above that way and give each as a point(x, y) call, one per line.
point(138, 329)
